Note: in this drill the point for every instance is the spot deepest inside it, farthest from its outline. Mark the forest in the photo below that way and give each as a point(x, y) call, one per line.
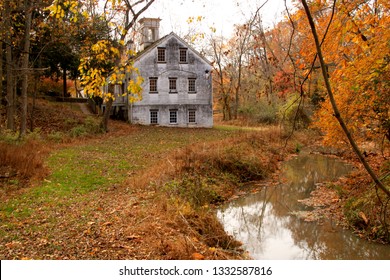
point(320, 77)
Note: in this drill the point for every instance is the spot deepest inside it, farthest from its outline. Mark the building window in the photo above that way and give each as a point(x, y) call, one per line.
point(183, 55)
point(192, 85)
point(153, 84)
point(173, 116)
point(161, 55)
point(191, 116)
point(173, 85)
point(153, 116)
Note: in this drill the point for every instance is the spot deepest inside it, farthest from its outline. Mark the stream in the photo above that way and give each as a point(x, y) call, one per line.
point(264, 224)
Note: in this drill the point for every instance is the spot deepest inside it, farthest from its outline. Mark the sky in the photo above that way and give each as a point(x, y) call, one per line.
point(221, 14)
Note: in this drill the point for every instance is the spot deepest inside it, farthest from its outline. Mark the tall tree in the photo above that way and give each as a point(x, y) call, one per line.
point(1, 57)
point(10, 97)
point(243, 34)
point(27, 7)
point(109, 56)
point(335, 108)
point(223, 83)
point(130, 11)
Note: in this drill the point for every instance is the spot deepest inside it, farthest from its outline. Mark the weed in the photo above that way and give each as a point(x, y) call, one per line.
point(92, 125)
point(35, 135)
point(195, 190)
point(26, 158)
point(338, 188)
point(56, 136)
point(368, 213)
point(8, 136)
point(78, 131)
point(298, 147)
point(70, 122)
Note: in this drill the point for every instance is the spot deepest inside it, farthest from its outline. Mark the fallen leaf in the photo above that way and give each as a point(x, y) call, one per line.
point(363, 216)
point(132, 237)
point(197, 256)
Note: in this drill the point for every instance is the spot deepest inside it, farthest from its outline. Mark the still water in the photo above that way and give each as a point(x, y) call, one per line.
point(264, 224)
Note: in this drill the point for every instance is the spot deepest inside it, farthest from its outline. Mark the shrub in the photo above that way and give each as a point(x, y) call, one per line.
point(25, 158)
point(295, 114)
point(193, 189)
point(78, 131)
point(261, 112)
point(90, 126)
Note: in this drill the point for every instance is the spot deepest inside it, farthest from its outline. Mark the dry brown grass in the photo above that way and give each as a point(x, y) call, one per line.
point(178, 221)
point(24, 160)
point(21, 166)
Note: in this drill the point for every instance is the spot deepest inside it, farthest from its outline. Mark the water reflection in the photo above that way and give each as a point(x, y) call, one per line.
point(263, 222)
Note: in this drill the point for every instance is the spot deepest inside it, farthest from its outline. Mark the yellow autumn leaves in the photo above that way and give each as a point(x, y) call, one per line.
point(96, 74)
point(101, 63)
point(58, 8)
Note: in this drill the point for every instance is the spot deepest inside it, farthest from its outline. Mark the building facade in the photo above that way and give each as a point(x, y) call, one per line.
point(177, 87)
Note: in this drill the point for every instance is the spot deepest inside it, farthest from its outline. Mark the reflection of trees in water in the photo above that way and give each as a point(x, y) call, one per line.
point(324, 242)
point(262, 219)
point(308, 170)
point(250, 212)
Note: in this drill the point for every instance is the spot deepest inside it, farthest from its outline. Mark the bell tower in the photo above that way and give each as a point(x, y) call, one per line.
point(149, 31)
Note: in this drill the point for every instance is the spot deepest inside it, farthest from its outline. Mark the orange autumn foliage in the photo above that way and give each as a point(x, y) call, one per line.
point(357, 51)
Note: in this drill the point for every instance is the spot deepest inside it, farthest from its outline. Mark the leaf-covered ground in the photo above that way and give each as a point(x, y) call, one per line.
point(148, 192)
point(109, 197)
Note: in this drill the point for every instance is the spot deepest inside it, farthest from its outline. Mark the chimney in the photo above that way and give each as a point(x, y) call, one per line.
point(149, 31)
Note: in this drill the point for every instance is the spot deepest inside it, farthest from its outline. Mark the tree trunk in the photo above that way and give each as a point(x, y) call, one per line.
point(78, 95)
point(64, 86)
point(34, 97)
point(334, 105)
point(106, 115)
point(1, 73)
point(9, 68)
point(236, 103)
point(25, 60)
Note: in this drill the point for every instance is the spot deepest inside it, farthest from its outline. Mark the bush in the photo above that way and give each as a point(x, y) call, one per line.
point(90, 126)
point(193, 189)
point(295, 114)
point(24, 158)
point(9, 136)
point(261, 112)
point(56, 136)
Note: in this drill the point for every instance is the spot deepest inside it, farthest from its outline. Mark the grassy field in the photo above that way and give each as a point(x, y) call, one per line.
point(134, 193)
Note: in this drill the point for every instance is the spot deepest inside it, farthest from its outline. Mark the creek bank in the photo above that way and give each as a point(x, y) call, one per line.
point(266, 224)
point(352, 201)
point(207, 176)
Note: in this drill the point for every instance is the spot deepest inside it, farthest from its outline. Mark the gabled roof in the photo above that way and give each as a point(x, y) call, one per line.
point(150, 48)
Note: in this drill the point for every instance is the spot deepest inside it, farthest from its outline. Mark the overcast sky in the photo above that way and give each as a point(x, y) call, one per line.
point(221, 14)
